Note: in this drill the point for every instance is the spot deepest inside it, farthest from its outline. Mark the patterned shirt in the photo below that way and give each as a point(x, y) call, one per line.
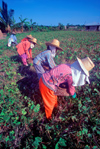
point(59, 74)
point(45, 58)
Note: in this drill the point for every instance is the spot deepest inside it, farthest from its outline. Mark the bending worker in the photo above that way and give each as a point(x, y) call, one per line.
point(46, 57)
point(24, 49)
point(76, 74)
point(12, 41)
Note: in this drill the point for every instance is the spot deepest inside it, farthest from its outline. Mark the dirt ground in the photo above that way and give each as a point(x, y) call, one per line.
point(2, 36)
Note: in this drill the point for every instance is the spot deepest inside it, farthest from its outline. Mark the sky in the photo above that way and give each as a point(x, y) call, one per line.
point(53, 12)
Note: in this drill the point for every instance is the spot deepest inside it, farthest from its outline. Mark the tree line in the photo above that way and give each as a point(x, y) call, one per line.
point(8, 23)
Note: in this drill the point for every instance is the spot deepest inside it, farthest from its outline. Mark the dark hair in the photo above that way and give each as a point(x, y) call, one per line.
point(48, 48)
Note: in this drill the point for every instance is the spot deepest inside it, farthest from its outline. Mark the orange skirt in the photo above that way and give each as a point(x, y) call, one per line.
point(49, 99)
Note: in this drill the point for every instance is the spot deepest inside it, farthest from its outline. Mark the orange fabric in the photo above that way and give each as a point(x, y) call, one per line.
point(23, 47)
point(49, 99)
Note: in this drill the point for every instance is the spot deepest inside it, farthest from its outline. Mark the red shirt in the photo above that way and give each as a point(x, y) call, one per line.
point(23, 47)
point(24, 39)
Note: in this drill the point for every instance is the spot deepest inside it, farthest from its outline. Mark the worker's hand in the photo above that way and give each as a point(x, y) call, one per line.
point(74, 96)
point(30, 60)
point(46, 68)
point(28, 57)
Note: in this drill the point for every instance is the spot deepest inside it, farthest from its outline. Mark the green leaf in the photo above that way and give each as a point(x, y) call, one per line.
point(79, 133)
point(79, 105)
point(95, 147)
point(13, 83)
point(57, 147)
point(98, 132)
point(84, 108)
point(32, 106)
point(47, 127)
point(23, 111)
point(43, 146)
point(37, 108)
point(74, 118)
point(96, 91)
point(84, 131)
point(88, 99)
point(62, 52)
point(94, 128)
point(62, 142)
point(25, 97)
point(12, 132)
point(7, 138)
point(87, 147)
point(89, 135)
point(1, 92)
point(37, 141)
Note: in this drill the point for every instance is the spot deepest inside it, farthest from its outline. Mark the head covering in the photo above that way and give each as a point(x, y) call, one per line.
point(34, 40)
point(32, 46)
point(10, 40)
point(53, 51)
point(80, 70)
point(78, 75)
point(29, 36)
point(55, 43)
point(86, 64)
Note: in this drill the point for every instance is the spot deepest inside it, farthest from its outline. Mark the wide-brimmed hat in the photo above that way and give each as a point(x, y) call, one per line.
point(86, 64)
point(34, 40)
point(55, 43)
point(29, 36)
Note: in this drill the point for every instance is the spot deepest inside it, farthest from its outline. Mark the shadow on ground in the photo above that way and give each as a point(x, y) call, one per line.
point(16, 58)
point(30, 82)
point(29, 85)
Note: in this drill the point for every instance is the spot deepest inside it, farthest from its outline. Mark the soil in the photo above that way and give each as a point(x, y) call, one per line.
point(2, 36)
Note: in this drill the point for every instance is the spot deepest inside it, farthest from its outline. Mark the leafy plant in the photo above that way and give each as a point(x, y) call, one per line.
point(75, 123)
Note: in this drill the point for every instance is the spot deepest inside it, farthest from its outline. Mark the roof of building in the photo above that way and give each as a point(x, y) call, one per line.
point(93, 24)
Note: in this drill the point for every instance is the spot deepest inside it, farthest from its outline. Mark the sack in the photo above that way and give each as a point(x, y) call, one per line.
point(62, 90)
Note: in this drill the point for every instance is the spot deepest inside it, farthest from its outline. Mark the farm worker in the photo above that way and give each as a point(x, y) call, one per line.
point(46, 57)
point(27, 38)
point(12, 41)
point(23, 49)
point(76, 74)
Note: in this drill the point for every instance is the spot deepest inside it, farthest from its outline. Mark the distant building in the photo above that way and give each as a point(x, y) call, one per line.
point(73, 27)
point(92, 27)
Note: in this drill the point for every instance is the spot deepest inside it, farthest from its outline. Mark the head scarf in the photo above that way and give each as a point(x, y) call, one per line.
point(10, 40)
point(78, 75)
point(32, 45)
point(53, 51)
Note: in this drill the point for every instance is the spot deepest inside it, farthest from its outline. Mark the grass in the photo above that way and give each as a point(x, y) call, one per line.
point(75, 123)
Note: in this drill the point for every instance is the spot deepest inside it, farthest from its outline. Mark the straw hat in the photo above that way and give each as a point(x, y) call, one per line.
point(55, 43)
point(34, 40)
point(86, 64)
point(29, 36)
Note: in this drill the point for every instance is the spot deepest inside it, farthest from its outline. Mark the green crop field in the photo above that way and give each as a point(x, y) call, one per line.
point(75, 123)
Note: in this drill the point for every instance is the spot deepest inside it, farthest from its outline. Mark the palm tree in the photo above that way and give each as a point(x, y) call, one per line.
point(22, 22)
point(32, 24)
point(6, 18)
